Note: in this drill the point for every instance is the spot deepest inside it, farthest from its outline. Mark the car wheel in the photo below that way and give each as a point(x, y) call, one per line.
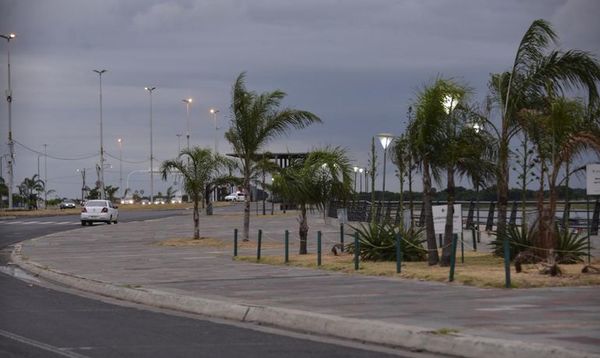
point(82, 222)
point(109, 221)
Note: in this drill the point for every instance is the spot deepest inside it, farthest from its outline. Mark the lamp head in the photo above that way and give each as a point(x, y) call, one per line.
point(385, 139)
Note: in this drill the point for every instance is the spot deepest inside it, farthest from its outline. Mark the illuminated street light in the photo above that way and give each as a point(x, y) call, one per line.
point(102, 193)
point(187, 102)
point(150, 89)
point(11, 158)
point(386, 140)
point(213, 112)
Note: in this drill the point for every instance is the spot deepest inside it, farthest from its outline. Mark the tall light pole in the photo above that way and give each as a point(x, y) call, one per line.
point(120, 141)
point(178, 143)
point(150, 89)
point(385, 139)
point(45, 174)
point(11, 144)
point(355, 172)
point(82, 171)
point(213, 112)
point(360, 170)
point(187, 102)
point(102, 194)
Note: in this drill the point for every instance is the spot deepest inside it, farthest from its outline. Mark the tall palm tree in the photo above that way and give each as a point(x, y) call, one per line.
point(28, 188)
point(534, 71)
point(426, 136)
point(198, 167)
point(560, 135)
point(256, 120)
point(468, 151)
point(323, 176)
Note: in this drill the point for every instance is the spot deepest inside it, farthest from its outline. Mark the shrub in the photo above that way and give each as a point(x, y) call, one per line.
point(571, 248)
point(518, 241)
point(378, 242)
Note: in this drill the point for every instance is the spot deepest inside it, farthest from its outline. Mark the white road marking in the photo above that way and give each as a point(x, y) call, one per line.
point(41, 345)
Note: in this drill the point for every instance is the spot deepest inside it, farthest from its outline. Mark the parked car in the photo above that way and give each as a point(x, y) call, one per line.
point(145, 202)
point(236, 197)
point(99, 211)
point(127, 200)
point(67, 204)
point(176, 200)
point(159, 201)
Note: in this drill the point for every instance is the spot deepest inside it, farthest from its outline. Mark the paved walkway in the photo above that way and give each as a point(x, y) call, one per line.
point(127, 257)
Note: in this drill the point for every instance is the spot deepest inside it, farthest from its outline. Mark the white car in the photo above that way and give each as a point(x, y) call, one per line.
point(99, 211)
point(128, 200)
point(159, 201)
point(236, 197)
point(176, 200)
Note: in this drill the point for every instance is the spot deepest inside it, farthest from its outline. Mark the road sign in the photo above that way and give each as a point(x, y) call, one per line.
point(439, 218)
point(593, 179)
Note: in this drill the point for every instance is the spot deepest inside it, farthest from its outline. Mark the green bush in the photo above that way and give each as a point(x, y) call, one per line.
point(518, 241)
point(378, 242)
point(571, 248)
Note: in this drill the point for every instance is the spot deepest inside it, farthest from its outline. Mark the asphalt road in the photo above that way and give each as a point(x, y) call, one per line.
point(41, 320)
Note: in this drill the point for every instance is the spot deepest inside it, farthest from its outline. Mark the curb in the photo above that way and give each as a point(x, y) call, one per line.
point(369, 331)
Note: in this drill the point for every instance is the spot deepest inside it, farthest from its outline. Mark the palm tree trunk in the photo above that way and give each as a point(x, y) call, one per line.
point(539, 240)
point(196, 219)
point(447, 249)
point(303, 230)
point(247, 207)
point(432, 254)
point(502, 182)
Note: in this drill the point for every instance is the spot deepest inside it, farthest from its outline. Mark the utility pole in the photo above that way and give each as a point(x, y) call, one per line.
point(45, 175)
point(11, 144)
point(102, 193)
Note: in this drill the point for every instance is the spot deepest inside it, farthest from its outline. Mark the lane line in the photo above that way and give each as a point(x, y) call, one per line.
point(41, 345)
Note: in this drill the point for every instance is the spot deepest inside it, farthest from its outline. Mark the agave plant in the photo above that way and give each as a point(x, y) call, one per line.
point(571, 247)
point(519, 240)
point(377, 242)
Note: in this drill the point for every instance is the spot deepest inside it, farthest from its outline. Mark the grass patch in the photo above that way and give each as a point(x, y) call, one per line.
point(445, 331)
point(480, 270)
point(214, 243)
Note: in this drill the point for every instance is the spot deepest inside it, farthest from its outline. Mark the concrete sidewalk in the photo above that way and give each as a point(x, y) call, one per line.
point(124, 261)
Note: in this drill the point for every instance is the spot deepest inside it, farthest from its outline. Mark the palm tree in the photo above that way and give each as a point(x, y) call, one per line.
point(256, 120)
point(400, 154)
point(110, 192)
point(534, 71)
point(170, 194)
point(468, 151)
point(560, 135)
point(198, 167)
point(426, 137)
point(323, 176)
point(28, 188)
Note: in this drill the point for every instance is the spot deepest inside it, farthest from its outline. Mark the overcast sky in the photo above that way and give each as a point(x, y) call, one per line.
point(356, 64)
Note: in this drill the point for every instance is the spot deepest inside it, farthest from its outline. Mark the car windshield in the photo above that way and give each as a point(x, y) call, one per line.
point(96, 203)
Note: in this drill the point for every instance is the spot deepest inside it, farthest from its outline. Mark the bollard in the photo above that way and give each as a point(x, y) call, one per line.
point(398, 253)
point(318, 248)
point(235, 237)
point(342, 236)
point(441, 240)
point(474, 239)
point(287, 246)
point(506, 262)
point(356, 250)
point(453, 257)
point(259, 244)
point(462, 248)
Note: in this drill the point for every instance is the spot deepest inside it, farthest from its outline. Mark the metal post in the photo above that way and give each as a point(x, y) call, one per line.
point(235, 242)
point(102, 192)
point(318, 248)
point(589, 229)
point(342, 236)
point(473, 234)
point(462, 248)
point(259, 244)
point(45, 175)
point(120, 141)
point(150, 89)
point(506, 262)
point(287, 246)
point(398, 253)
point(453, 258)
point(356, 251)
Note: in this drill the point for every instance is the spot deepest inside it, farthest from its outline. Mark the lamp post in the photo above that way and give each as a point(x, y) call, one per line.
point(213, 112)
point(355, 171)
point(187, 102)
point(360, 170)
point(178, 143)
point(45, 174)
point(82, 171)
point(385, 139)
point(11, 144)
point(120, 141)
point(150, 89)
point(102, 194)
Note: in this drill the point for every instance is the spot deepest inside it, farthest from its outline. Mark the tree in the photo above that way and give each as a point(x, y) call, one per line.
point(323, 176)
point(110, 192)
point(256, 120)
point(198, 167)
point(425, 135)
point(28, 189)
point(3, 191)
point(534, 71)
point(170, 194)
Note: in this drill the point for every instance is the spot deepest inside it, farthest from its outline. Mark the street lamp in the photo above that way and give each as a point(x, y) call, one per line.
point(11, 144)
point(82, 171)
point(385, 139)
point(120, 141)
point(360, 170)
point(187, 102)
point(150, 89)
point(102, 194)
point(213, 112)
point(45, 174)
point(355, 171)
